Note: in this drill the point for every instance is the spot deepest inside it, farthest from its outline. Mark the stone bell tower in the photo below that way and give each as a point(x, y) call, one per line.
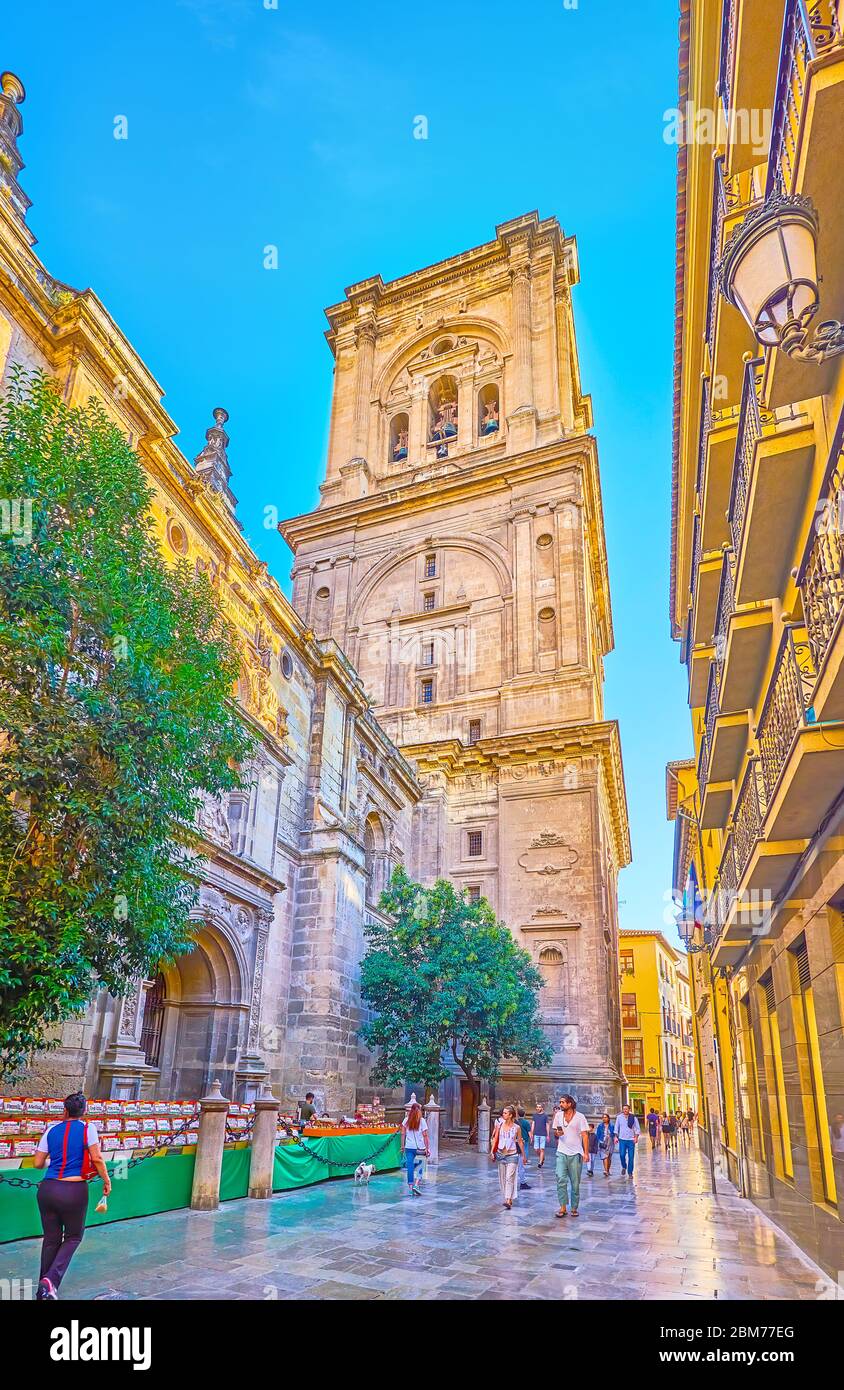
point(457, 556)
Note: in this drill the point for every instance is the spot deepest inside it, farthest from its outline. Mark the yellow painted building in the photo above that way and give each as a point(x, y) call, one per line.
point(656, 1024)
point(757, 590)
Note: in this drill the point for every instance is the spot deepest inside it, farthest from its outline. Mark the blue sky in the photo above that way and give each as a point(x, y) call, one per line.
point(294, 126)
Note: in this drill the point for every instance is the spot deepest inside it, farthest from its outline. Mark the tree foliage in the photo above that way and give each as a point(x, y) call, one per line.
point(447, 980)
point(116, 674)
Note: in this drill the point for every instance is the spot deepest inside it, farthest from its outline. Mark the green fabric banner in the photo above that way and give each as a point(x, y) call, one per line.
point(163, 1183)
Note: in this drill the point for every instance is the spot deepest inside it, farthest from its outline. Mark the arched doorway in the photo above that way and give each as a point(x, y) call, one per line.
point(206, 1005)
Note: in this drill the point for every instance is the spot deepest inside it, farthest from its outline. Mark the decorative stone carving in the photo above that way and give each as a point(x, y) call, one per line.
point(212, 464)
point(548, 854)
point(213, 821)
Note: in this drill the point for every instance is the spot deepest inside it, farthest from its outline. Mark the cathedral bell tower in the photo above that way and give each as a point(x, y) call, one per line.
point(457, 556)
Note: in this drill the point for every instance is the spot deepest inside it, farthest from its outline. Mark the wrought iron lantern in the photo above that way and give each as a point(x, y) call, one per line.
point(769, 273)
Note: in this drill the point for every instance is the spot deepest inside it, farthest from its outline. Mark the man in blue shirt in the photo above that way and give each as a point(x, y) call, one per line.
point(627, 1131)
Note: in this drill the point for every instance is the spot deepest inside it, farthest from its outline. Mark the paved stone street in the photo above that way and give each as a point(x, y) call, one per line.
point(662, 1236)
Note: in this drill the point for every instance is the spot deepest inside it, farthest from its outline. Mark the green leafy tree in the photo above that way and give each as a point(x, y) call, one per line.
point(116, 674)
point(446, 979)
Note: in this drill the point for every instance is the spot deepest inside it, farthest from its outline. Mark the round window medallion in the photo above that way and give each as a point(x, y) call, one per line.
point(546, 615)
point(177, 538)
point(286, 665)
point(444, 345)
point(545, 540)
point(322, 593)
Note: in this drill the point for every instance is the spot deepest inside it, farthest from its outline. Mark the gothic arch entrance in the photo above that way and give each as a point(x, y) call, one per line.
point(206, 1005)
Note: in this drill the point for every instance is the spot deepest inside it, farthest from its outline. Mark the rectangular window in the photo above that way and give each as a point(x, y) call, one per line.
point(427, 653)
point(430, 566)
point(627, 962)
point(474, 730)
point(629, 1012)
point(777, 1110)
point(475, 844)
point(428, 603)
point(634, 1057)
point(427, 692)
point(473, 892)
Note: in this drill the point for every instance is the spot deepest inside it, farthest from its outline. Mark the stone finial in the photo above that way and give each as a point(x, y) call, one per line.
point(11, 125)
point(212, 464)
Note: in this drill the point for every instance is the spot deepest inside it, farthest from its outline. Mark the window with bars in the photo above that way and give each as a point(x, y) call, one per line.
point(428, 603)
point(629, 1012)
point(153, 1021)
point(430, 566)
point(475, 844)
point(473, 892)
point(427, 692)
point(427, 653)
point(474, 730)
point(634, 1057)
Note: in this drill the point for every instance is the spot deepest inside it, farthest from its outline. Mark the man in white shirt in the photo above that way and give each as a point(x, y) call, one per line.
point(572, 1131)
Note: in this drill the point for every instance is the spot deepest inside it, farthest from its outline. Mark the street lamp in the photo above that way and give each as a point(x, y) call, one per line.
point(769, 273)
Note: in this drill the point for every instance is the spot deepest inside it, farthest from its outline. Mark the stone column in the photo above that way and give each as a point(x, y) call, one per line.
point(523, 587)
point(432, 1115)
point(483, 1126)
point(363, 386)
point(263, 1145)
point(213, 1109)
point(522, 335)
point(417, 438)
point(465, 411)
point(123, 1067)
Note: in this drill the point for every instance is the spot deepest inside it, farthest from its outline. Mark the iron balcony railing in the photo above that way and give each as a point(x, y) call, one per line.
point(822, 580)
point(728, 45)
point(710, 714)
point(810, 29)
point(748, 816)
point(749, 430)
point(789, 697)
point(705, 426)
point(724, 611)
point(696, 556)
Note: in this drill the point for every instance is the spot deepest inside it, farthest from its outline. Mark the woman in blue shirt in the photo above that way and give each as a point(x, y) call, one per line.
point(71, 1149)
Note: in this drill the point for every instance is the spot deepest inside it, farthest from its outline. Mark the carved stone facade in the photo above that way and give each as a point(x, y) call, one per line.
point(270, 991)
point(458, 557)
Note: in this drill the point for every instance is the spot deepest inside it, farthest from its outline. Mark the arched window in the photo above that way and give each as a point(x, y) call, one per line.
point(373, 844)
point(153, 1023)
point(399, 428)
point(488, 411)
point(442, 414)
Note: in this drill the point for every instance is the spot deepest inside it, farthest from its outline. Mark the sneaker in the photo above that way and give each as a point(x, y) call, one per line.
point(416, 1190)
point(46, 1290)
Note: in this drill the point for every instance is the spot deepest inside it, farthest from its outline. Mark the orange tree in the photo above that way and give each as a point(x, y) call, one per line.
point(116, 715)
point(450, 989)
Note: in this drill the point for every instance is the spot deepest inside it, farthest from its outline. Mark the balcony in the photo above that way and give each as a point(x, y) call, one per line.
point(748, 70)
point(728, 336)
point(802, 761)
point(705, 577)
point(721, 750)
point(821, 583)
point(716, 449)
point(772, 474)
point(742, 645)
point(805, 157)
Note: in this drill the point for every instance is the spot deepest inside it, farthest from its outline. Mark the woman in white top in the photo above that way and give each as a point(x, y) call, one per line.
point(507, 1144)
point(414, 1142)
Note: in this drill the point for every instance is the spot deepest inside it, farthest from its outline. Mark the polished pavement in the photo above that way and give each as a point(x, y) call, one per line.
point(662, 1236)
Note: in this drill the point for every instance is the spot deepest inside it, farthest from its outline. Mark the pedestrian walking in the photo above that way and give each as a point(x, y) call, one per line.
point(669, 1130)
point(627, 1131)
point(684, 1130)
point(652, 1122)
point(414, 1143)
point(539, 1133)
point(572, 1133)
point(70, 1149)
point(605, 1134)
point(524, 1126)
point(506, 1148)
point(593, 1149)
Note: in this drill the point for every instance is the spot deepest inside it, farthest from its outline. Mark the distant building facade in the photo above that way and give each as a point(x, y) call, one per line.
point(656, 1024)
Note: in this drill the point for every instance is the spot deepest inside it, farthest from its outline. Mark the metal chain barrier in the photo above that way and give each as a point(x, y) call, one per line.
point(130, 1163)
point(330, 1163)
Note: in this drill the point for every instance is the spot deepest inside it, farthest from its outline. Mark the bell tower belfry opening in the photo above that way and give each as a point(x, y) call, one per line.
point(458, 557)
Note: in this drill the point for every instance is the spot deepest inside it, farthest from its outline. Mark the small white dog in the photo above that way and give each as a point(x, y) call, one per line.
point(363, 1173)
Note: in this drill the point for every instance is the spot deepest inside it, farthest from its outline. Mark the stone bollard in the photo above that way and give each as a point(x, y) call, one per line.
point(483, 1126)
point(432, 1115)
point(213, 1109)
point(263, 1144)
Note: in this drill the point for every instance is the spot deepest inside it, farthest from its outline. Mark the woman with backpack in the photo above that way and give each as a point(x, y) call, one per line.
point(70, 1149)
